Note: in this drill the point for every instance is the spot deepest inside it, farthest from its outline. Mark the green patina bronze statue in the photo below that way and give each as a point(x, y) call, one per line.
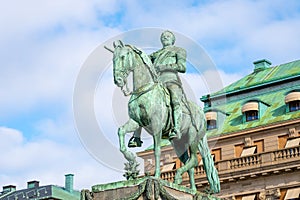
point(168, 61)
point(158, 105)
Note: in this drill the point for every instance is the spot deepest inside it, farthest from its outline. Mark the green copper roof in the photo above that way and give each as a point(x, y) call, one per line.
point(61, 193)
point(274, 113)
point(262, 77)
point(273, 107)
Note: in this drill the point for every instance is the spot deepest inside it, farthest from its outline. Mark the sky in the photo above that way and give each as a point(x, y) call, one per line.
point(46, 45)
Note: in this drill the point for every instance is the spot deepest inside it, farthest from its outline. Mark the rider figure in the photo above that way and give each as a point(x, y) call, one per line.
point(168, 61)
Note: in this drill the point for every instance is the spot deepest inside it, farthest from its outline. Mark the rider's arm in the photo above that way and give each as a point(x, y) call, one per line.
point(181, 60)
point(174, 61)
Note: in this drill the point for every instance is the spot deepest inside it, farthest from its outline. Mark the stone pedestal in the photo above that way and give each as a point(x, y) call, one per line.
point(146, 188)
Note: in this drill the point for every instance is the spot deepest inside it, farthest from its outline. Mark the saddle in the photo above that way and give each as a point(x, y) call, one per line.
point(170, 125)
point(185, 106)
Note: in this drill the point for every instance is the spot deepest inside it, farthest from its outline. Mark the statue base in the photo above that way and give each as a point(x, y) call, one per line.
point(144, 188)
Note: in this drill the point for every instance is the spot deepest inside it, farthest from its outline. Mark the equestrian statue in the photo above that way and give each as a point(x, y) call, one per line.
point(158, 104)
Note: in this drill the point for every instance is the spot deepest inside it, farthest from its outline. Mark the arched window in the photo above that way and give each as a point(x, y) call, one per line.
point(250, 111)
point(292, 101)
point(211, 118)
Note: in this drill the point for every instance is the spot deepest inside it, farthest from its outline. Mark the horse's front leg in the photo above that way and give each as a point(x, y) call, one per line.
point(157, 140)
point(157, 131)
point(129, 126)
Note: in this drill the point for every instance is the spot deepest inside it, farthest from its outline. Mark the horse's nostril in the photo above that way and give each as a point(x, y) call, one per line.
point(119, 81)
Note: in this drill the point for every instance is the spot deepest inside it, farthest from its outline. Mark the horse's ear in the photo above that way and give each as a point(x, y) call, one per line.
point(118, 43)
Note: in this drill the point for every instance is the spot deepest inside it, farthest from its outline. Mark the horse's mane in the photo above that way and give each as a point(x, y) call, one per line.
point(146, 60)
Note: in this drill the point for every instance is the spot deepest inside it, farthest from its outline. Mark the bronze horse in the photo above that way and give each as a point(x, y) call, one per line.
point(148, 108)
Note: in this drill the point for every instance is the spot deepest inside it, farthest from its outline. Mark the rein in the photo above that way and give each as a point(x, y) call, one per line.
point(152, 72)
point(142, 90)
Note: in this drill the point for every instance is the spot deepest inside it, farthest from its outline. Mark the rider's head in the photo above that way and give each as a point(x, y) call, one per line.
point(167, 38)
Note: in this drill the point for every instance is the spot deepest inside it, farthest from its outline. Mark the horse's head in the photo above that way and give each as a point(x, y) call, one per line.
point(128, 58)
point(122, 63)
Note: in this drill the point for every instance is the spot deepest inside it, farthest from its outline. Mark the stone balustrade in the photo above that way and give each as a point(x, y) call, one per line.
point(287, 153)
point(246, 161)
point(278, 159)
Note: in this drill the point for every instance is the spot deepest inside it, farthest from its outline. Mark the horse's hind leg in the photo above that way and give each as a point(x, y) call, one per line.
point(190, 163)
point(184, 158)
point(129, 126)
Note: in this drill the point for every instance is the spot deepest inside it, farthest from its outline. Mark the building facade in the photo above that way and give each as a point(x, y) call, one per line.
point(36, 192)
point(253, 130)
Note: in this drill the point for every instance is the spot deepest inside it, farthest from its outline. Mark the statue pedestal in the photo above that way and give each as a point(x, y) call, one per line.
point(146, 188)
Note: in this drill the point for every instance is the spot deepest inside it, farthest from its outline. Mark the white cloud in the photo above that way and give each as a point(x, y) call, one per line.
point(46, 72)
point(9, 137)
point(276, 40)
point(19, 17)
point(47, 161)
point(50, 61)
point(235, 33)
point(197, 85)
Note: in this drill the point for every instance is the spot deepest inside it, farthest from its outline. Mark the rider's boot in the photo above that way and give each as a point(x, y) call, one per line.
point(177, 122)
point(135, 142)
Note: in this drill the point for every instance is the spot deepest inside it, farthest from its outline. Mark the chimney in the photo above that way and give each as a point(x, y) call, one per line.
point(9, 188)
point(261, 65)
point(33, 184)
point(69, 179)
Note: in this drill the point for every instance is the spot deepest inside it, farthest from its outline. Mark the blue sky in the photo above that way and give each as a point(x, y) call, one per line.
point(43, 45)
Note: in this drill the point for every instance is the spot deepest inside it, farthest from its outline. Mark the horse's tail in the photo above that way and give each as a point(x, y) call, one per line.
point(209, 167)
point(208, 162)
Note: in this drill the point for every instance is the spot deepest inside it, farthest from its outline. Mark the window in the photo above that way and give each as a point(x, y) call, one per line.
point(249, 197)
point(238, 150)
point(211, 118)
point(294, 106)
point(285, 142)
point(250, 111)
point(292, 142)
point(168, 167)
point(259, 146)
point(282, 141)
point(292, 194)
point(216, 154)
point(242, 150)
point(247, 151)
point(178, 163)
point(211, 124)
point(251, 115)
point(292, 101)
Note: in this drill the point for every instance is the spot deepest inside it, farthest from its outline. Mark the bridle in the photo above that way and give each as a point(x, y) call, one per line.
point(124, 70)
point(120, 51)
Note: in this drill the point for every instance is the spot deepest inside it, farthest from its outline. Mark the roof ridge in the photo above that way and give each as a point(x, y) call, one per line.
point(259, 78)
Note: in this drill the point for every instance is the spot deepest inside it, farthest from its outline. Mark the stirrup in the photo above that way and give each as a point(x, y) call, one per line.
point(134, 142)
point(173, 135)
